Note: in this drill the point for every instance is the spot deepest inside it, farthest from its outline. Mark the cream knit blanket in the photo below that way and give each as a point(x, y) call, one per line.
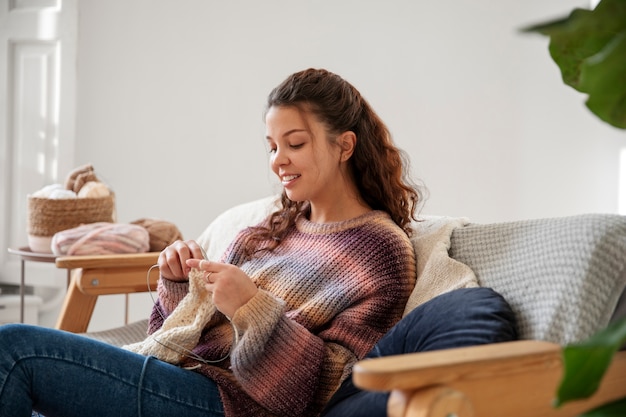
point(437, 272)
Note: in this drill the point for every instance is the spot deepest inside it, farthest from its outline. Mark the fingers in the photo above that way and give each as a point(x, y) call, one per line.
point(173, 259)
point(207, 267)
point(230, 287)
point(201, 264)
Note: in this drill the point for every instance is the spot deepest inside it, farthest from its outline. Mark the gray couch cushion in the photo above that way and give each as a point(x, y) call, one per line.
point(120, 336)
point(562, 276)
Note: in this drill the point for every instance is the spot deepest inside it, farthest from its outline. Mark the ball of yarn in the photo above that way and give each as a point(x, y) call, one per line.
point(86, 172)
point(60, 194)
point(83, 179)
point(162, 233)
point(94, 189)
point(54, 191)
point(100, 238)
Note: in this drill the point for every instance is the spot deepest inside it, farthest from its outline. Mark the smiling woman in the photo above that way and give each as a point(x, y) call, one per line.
point(325, 136)
point(277, 286)
point(311, 165)
point(274, 326)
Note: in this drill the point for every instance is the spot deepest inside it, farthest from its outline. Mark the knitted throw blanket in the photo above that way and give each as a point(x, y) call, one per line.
point(437, 272)
point(181, 331)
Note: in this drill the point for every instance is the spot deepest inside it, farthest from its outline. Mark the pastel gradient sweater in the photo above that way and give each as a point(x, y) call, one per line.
point(327, 294)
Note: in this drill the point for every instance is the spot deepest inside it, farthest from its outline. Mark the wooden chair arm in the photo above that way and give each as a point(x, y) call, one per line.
point(93, 276)
point(506, 379)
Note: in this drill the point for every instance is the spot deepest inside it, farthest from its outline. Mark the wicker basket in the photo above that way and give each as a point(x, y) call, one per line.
point(47, 216)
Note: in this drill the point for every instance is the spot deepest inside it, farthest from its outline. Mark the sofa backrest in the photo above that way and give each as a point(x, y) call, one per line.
point(562, 276)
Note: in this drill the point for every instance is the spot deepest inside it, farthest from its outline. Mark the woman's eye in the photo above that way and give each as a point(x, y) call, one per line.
point(297, 146)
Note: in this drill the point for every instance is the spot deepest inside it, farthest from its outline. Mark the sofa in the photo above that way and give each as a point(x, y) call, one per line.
point(564, 278)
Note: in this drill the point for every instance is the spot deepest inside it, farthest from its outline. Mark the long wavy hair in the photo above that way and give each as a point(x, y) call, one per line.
point(378, 168)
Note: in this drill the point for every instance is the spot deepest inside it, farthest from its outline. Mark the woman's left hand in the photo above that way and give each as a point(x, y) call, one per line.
point(230, 286)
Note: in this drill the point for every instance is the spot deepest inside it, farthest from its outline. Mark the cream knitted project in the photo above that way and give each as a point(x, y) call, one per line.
point(181, 331)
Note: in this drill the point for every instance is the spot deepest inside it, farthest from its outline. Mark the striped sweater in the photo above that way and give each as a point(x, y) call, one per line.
point(327, 294)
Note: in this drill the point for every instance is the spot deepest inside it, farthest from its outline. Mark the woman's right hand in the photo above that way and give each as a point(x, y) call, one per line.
point(173, 259)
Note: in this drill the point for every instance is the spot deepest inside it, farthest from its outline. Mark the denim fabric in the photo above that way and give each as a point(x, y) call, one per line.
point(57, 373)
point(62, 374)
point(464, 317)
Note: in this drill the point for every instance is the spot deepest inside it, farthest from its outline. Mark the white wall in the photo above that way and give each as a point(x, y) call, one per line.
point(171, 95)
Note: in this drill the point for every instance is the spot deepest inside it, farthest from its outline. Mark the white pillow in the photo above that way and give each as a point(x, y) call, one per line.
point(221, 232)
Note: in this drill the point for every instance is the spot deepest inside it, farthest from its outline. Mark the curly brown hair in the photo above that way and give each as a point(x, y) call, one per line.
point(378, 168)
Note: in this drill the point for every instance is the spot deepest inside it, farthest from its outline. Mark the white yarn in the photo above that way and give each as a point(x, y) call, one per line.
point(54, 191)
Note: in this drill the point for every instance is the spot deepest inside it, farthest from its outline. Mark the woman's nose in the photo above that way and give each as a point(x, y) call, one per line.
point(279, 158)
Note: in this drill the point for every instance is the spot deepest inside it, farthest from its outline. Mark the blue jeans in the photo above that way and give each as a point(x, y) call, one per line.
point(465, 317)
point(62, 374)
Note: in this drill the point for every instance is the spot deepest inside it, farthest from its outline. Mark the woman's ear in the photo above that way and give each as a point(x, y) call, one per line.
point(347, 142)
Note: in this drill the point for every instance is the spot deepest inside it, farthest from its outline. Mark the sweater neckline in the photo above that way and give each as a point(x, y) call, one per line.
point(304, 225)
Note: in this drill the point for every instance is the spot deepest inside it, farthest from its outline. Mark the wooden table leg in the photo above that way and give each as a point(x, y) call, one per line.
point(77, 307)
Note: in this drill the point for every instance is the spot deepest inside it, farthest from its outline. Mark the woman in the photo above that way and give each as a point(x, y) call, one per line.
point(297, 300)
point(310, 290)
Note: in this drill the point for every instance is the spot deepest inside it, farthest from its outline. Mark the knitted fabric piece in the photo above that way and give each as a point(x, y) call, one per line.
point(181, 331)
point(562, 276)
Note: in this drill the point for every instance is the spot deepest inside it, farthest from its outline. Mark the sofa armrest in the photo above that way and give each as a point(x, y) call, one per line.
point(514, 379)
point(99, 275)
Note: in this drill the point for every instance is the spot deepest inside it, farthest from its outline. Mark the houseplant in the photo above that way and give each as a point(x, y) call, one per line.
point(589, 47)
point(584, 366)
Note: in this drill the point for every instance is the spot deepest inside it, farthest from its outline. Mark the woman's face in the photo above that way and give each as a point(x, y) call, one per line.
point(302, 157)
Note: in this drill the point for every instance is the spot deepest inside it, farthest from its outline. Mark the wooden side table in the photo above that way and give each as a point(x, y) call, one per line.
point(26, 255)
point(102, 275)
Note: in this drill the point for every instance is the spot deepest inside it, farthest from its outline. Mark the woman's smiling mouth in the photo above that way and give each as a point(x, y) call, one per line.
point(285, 179)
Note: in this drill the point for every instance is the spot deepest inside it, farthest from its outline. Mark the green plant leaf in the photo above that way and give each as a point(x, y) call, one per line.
point(588, 47)
point(585, 363)
point(604, 77)
point(614, 409)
